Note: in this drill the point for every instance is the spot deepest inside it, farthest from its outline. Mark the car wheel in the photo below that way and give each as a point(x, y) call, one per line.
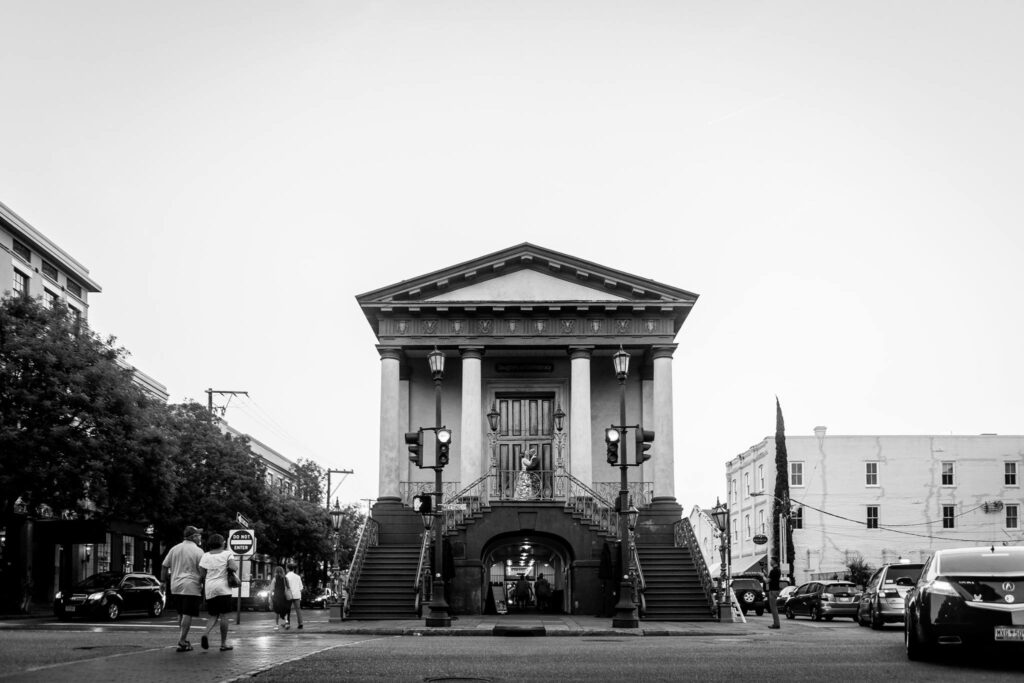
point(861, 621)
point(748, 597)
point(759, 611)
point(157, 608)
point(789, 613)
point(815, 613)
point(876, 621)
point(918, 648)
point(113, 611)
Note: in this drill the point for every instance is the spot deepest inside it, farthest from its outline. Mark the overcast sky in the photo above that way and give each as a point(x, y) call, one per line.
point(839, 182)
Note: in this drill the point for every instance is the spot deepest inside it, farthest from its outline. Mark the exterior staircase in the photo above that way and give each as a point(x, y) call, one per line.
point(385, 588)
point(674, 591)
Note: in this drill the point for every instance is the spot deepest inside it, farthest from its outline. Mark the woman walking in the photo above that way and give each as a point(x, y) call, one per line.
point(280, 599)
point(213, 568)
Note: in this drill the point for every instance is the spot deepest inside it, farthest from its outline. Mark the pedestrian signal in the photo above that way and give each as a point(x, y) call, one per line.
point(423, 504)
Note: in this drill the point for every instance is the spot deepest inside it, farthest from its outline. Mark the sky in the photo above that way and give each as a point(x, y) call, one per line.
point(838, 181)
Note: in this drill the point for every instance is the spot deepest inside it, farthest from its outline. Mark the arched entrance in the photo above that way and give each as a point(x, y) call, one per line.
point(526, 555)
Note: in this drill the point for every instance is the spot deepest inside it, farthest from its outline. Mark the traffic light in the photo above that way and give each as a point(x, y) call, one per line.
point(644, 437)
point(423, 504)
point(444, 441)
point(612, 437)
point(414, 440)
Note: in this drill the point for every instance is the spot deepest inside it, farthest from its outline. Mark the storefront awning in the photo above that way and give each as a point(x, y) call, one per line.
point(753, 567)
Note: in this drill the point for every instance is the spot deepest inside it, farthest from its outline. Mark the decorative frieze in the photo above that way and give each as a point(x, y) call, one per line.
point(524, 327)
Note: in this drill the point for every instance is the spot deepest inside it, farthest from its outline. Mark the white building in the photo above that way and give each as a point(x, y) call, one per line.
point(882, 497)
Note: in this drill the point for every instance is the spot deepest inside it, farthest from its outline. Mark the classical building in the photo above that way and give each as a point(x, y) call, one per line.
point(878, 497)
point(528, 390)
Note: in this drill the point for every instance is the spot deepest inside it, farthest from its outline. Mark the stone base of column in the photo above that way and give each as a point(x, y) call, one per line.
point(657, 523)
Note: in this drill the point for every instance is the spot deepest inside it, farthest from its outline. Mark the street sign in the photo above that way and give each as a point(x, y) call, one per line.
point(242, 542)
point(453, 506)
point(760, 539)
point(243, 521)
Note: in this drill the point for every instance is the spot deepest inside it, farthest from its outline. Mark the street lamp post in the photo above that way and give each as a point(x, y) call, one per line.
point(559, 434)
point(720, 515)
point(336, 518)
point(625, 610)
point(438, 605)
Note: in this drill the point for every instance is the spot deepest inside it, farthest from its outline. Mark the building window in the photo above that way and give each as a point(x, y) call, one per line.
point(760, 476)
point(74, 288)
point(796, 474)
point(103, 556)
point(732, 490)
point(948, 516)
point(797, 518)
point(50, 271)
point(760, 522)
point(20, 284)
point(128, 554)
point(871, 474)
point(947, 474)
point(76, 314)
point(746, 525)
point(22, 251)
point(1009, 474)
point(1012, 516)
point(872, 516)
point(734, 530)
point(746, 484)
point(50, 298)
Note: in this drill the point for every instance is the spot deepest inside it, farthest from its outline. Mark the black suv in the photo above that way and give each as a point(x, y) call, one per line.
point(750, 593)
point(108, 594)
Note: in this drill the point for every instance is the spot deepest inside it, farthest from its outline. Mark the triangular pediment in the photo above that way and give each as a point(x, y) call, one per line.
point(526, 273)
point(526, 285)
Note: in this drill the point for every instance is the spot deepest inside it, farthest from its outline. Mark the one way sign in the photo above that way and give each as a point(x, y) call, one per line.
point(242, 521)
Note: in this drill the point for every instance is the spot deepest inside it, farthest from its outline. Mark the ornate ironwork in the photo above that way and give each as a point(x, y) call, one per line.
point(368, 538)
point(422, 585)
point(473, 497)
point(685, 538)
point(641, 493)
point(408, 489)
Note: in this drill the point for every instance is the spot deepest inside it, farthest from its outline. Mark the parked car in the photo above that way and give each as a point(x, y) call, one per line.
point(783, 598)
point(750, 594)
point(317, 599)
point(823, 600)
point(882, 599)
point(260, 595)
point(966, 597)
point(108, 595)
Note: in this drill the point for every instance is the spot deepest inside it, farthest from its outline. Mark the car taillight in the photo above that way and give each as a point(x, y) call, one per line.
point(943, 587)
point(890, 594)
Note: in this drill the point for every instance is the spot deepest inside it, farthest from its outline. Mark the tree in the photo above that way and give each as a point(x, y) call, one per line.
point(76, 433)
point(309, 481)
point(859, 571)
point(781, 505)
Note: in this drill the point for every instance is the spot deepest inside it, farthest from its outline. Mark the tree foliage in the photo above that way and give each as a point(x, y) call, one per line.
point(76, 433)
point(781, 504)
point(859, 571)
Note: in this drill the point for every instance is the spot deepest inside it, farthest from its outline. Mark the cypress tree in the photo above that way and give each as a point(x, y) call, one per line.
point(780, 506)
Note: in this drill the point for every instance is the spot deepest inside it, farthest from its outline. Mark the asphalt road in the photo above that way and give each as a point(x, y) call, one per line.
point(141, 650)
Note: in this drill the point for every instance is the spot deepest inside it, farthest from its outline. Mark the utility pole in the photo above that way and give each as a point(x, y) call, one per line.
point(329, 490)
point(211, 392)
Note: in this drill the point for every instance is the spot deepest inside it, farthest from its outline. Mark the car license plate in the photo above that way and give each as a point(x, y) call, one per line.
point(69, 608)
point(1012, 633)
point(845, 599)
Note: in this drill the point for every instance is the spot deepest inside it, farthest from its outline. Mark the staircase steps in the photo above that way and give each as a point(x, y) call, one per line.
point(674, 591)
point(385, 588)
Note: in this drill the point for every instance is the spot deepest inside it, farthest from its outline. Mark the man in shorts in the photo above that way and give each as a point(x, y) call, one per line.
point(181, 576)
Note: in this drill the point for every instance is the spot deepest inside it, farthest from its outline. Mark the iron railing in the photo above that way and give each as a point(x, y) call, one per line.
point(641, 493)
point(685, 538)
point(474, 497)
point(368, 537)
point(423, 583)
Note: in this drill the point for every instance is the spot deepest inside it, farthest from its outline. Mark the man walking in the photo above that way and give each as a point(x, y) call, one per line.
point(774, 577)
point(181, 577)
point(295, 588)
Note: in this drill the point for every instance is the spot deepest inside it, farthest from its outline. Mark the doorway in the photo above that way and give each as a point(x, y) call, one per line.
point(525, 428)
point(527, 573)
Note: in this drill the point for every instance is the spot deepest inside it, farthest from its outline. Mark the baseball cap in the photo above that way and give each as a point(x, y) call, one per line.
point(191, 530)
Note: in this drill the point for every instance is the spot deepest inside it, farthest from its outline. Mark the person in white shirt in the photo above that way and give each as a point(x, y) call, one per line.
point(295, 589)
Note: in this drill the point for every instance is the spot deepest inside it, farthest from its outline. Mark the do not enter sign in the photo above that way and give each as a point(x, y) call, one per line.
point(242, 542)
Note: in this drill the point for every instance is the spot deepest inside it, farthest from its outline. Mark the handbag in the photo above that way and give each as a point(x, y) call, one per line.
point(233, 581)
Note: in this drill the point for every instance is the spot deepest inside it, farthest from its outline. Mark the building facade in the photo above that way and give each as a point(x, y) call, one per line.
point(881, 498)
point(528, 389)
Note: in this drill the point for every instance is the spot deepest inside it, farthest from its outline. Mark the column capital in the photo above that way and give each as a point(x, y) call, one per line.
point(580, 352)
point(476, 352)
point(663, 351)
point(390, 352)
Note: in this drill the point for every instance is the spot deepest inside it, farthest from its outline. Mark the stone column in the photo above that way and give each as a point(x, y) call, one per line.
point(471, 451)
point(663, 450)
point(580, 439)
point(390, 430)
